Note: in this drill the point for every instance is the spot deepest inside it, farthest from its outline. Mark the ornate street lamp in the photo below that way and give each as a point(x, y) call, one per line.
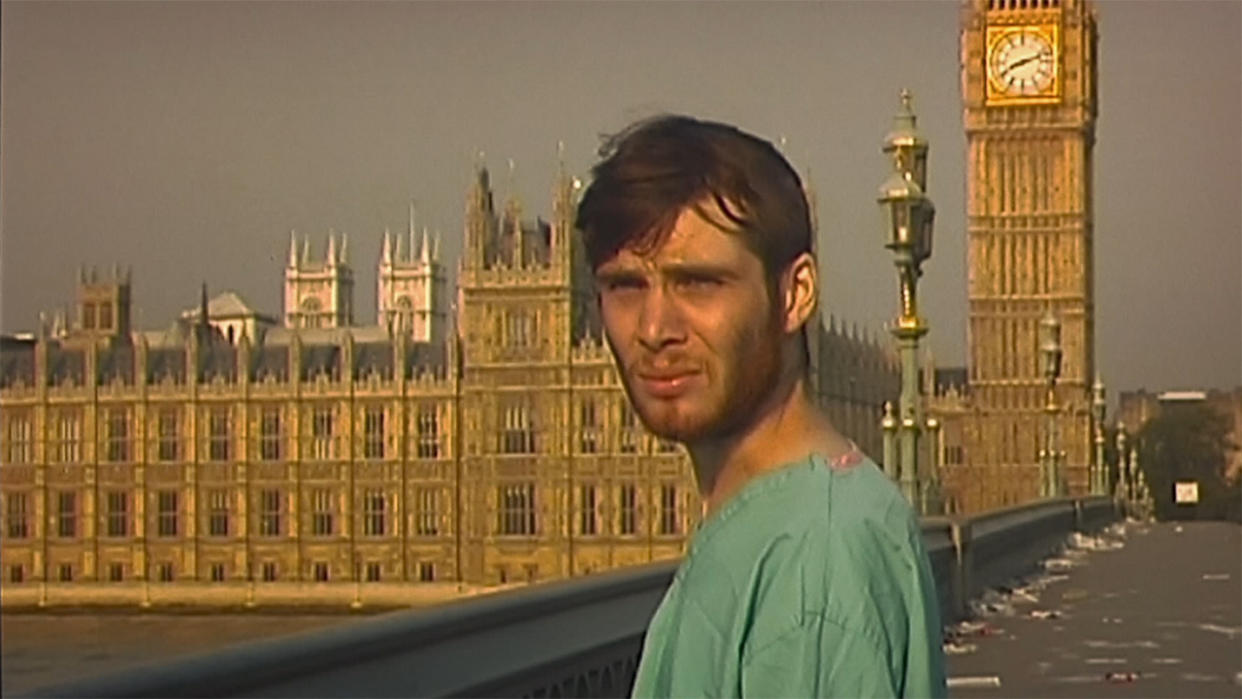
point(1122, 455)
point(908, 220)
point(1050, 352)
point(889, 425)
point(1098, 406)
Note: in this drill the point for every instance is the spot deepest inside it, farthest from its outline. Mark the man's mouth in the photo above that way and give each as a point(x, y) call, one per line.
point(666, 384)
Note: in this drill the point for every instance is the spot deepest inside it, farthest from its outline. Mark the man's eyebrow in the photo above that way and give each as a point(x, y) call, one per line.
point(618, 274)
point(699, 270)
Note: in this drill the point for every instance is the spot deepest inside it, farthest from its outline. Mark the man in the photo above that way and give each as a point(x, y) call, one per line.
point(807, 575)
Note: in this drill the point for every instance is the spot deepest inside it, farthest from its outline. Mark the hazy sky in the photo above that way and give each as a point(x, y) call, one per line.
point(186, 140)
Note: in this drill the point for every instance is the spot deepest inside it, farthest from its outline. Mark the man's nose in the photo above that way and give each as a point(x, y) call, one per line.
point(659, 322)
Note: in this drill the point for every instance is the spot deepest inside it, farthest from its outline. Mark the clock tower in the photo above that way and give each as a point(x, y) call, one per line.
point(1028, 72)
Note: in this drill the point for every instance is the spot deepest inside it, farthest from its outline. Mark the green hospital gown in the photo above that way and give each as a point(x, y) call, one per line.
point(811, 581)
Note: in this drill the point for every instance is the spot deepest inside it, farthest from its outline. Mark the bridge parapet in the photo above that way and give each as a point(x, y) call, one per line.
point(577, 637)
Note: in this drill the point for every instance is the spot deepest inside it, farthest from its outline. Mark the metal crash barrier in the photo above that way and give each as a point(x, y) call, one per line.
point(577, 637)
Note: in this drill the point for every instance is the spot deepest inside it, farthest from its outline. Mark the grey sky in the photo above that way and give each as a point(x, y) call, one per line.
point(187, 140)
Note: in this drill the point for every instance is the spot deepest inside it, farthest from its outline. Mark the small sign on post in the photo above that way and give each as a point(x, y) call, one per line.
point(1186, 492)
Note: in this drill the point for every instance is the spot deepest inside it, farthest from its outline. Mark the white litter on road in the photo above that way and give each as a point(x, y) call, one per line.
point(1216, 576)
point(1229, 631)
point(1167, 661)
point(978, 681)
point(1121, 644)
point(1106, 661)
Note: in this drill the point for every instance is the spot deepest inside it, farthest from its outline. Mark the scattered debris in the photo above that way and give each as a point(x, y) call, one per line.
point(1079, 540)
point(1075, 594)
point(1200, 677)
point(1059, 564)
point(1229, 631)
point(1106, 661)
point(1111, 620)
point(1121, 644)
point(977, 681)
point(954, 648)
point(1216, 576)
point(1045, 614)
point(1121, 677)
point(1076, 679)
point(1167, 661)
point(1178, 529)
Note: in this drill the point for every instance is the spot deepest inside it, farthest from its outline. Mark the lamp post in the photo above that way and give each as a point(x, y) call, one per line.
point(933, 501)
point(1099, 406)
point(1050, 351)
point(908, 220)
point(889, 425)
point(1122, 454)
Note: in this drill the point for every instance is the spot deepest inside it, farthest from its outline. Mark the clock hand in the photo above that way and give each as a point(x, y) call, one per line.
point(1023, 61)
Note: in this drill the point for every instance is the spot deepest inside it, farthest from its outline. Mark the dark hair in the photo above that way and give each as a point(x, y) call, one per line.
point(655, 168)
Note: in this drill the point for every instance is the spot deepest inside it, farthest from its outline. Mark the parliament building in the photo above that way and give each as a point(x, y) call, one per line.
point(482, 437)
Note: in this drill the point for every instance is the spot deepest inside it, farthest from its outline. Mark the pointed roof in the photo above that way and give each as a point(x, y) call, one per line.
point(226, 305)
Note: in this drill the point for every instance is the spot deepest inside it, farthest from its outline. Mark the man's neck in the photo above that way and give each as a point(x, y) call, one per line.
point(789, 428)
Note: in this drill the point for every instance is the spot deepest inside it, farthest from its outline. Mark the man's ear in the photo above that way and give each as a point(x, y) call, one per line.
point(800, 292)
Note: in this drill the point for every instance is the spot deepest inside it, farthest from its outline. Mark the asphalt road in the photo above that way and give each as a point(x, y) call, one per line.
point(1161, 616)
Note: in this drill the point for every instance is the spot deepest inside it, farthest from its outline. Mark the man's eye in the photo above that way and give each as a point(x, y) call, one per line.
point(699, 283)
point(623, 285)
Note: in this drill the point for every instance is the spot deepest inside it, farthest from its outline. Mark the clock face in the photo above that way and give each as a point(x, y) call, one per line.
point(1022, 64)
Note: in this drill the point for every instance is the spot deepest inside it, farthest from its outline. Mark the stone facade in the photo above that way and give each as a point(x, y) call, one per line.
point(325, 452)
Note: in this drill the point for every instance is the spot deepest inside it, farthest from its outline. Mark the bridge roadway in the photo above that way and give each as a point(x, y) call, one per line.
point(1163, 613)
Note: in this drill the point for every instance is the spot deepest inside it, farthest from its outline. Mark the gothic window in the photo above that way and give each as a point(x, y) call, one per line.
point(166, 434)
point(374, 511)
point(588, 430)
point(628, 443)
point(18, 446)
point(670, 521)
point(88, 316)
point(218, 434)
point(322, 445)
point(374, 571)
point(428, 432)
point(117, 513)
point(516, 510)
point(521, 328)
point(373, 432)
point(218, 513)
point(321, 512)
point(404, 321)
point(588, 514)
point(269, 433)
point(105, 316)
point(628, 510)
point(426, 571)
point(66, 515)
point(426, 512)
point(17, 515)
point(517, 435)
point(67, 442)
point(311, 312)
point(270, 512)
point(117, 446)
point(166, 513)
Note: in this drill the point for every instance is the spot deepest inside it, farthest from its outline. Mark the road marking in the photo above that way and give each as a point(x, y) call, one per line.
point(976, 681)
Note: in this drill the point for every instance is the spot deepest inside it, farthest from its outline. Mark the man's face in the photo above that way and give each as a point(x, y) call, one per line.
point(693, 329)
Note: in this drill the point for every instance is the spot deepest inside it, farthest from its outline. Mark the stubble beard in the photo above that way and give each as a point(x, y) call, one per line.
point(747, 376)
